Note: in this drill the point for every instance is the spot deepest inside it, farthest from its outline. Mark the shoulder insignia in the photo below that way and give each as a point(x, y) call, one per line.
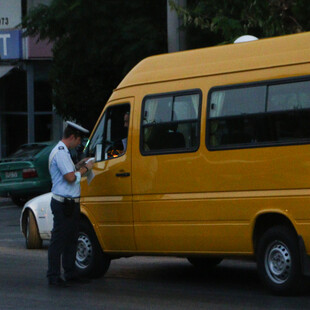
point(61, 148)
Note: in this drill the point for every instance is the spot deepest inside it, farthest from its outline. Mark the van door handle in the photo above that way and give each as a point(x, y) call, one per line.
point(123, 174)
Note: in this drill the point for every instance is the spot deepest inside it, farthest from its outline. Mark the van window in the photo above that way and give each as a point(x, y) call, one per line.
point(261, 115)
point(238, 101)
point(170, 123)
point(289, 96)
point(111, 133)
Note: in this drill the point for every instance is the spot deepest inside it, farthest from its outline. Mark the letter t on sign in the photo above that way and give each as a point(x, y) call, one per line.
point(4, 37)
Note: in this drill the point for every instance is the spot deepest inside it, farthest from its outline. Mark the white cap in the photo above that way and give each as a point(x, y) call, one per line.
point(246, 38)
point(77, 127)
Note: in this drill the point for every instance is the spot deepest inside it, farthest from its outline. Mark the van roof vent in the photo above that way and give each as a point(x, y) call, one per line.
point(246, 38)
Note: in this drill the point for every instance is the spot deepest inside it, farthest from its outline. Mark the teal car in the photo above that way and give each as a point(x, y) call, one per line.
point(25, 174)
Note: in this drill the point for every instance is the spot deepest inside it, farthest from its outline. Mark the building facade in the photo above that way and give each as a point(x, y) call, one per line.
point(26, 111)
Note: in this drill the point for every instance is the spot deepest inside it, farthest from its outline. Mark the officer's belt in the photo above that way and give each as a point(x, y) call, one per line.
point(62, 199)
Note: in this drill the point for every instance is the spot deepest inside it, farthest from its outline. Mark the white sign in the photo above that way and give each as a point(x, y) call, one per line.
point(10, 13)
point(4, 37)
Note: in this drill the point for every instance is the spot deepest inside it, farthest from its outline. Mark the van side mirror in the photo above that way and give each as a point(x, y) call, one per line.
point(98, 154)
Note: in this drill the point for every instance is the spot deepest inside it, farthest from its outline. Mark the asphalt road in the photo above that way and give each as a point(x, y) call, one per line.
point(131, 283)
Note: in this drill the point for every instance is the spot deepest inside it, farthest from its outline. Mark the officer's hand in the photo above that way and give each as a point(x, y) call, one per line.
point(81, 162)
point(90, 164)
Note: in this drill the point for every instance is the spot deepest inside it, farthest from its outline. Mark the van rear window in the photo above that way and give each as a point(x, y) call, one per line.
point(277, 113)
point(170, 123)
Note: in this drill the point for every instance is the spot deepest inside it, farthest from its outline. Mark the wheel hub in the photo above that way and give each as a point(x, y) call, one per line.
point(278, 262)
point(84, 252)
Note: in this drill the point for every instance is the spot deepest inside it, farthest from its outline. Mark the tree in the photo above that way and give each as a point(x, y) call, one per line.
point(222, 21)
point(96, 43)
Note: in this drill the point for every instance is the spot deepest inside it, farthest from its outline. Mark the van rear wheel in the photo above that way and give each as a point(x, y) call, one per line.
point(204, 263)
point(278, 261)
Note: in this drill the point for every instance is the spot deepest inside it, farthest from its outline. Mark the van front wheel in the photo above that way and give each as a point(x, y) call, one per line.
point(278, 260)
point(90, 260)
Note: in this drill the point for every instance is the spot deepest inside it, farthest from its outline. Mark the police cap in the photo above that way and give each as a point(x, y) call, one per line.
point(77, 128)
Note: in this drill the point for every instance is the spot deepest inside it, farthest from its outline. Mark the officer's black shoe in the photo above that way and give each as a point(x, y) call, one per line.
point(58, 282)
point(77, 280)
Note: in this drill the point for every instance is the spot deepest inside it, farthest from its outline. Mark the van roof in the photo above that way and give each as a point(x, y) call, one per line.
point(265, 53)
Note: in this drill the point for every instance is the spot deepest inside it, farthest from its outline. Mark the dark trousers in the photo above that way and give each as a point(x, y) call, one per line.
point(63, 243)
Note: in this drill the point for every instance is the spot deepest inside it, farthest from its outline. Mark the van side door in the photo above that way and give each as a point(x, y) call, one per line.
point(167, 165)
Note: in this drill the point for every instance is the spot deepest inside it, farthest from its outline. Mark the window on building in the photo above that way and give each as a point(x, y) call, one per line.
point(14, 91)
point(43, 128)
point(42, 96)
point(14, 132)
point(24, 8)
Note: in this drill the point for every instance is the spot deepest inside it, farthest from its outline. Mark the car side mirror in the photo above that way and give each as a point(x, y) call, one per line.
point(98, 154)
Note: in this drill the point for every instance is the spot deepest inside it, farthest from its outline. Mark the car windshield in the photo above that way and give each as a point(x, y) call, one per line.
point(27, 150)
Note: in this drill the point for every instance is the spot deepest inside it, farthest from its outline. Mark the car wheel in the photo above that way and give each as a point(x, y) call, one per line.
point(204, 263)
point(33, 239)
point(278, 261)
point(90, 259)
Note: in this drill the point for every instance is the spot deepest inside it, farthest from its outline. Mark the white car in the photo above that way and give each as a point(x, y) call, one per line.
point(36, 223)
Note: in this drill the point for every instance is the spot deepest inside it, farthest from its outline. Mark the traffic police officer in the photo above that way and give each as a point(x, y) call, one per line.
point(65, 206)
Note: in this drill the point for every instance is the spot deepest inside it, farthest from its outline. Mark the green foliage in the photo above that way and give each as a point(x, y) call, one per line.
point(96, 43)
point(222, 21)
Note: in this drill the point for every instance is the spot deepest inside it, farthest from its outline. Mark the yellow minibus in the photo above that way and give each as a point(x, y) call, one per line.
point(205, 154)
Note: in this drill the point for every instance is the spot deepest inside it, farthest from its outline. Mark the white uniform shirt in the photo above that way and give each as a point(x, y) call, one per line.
point(62, 164)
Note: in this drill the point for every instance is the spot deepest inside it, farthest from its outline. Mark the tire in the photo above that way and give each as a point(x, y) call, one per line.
point(90, 260)
point(33, 239)
point(204, 263)
point(279, 262)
